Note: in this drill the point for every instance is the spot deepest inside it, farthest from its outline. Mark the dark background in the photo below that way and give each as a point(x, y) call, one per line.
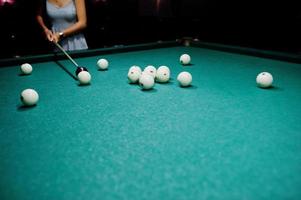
point(250, 23)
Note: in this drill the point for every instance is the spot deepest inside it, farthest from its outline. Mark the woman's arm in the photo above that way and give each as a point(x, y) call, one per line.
point(48, 33)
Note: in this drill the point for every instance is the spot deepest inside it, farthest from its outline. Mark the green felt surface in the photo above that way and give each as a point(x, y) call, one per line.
point(222, 138)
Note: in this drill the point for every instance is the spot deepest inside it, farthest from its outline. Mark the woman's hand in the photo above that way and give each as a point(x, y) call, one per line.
point(56, 37)
point(49, 35)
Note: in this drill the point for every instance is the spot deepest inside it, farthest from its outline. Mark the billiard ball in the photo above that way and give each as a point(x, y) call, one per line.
point(184, 79)
point(185, 59)
point(151, 70)
point(133, 76)
point(102, 64)
point(163, 74)
point(264, 80)
point(26, 68)
point(136, 68)
point(146, 81)
point(80, 69)
point(84, 77)
point(163, 67)
point(29, 97)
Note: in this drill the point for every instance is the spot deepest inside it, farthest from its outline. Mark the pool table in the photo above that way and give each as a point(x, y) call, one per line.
point(221, 138)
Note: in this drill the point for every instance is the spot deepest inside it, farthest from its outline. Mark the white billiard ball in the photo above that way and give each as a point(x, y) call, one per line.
point(135, 68)
point(163, 74)
point(185, 59)
point(264, 80)
point(102, 64)
point(146, 81)
point(184, 79)
point(133, 76)
point(151, 70)
point(29, 97)
point(163, 67)
point(84, 77)
point(26, 68)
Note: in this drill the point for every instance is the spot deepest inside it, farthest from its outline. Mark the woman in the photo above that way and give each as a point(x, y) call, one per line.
point(63, 21)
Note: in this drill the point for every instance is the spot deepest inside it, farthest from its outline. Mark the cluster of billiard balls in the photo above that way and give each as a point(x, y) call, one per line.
point(30, 97)
point(147, 78)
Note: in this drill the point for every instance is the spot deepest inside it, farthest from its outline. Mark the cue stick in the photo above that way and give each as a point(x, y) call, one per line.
point(61, 48)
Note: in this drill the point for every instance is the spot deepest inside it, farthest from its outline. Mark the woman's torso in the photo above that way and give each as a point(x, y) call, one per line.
point(62, 17)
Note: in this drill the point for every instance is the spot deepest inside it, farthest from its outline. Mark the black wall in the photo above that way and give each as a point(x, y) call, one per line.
point(252, 23)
